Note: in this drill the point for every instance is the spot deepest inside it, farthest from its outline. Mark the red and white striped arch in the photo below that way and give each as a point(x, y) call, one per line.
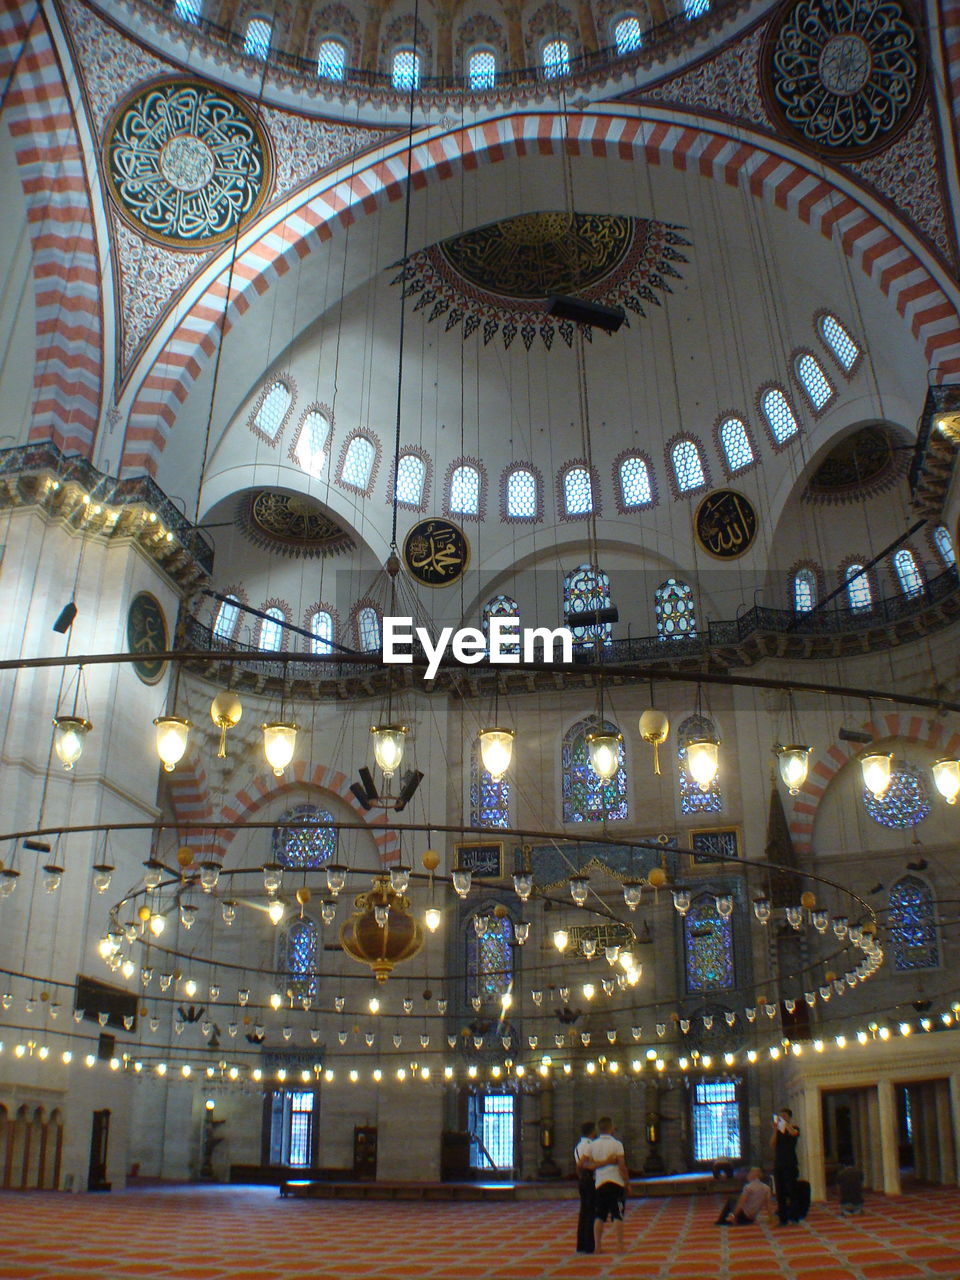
point(69, 354)
point(914, 728)
point(883, 252)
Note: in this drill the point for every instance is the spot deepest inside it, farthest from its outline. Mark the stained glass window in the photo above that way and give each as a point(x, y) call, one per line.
point(312, 443)
point(321, 624)
point(273, 408)
point(489, 800)
point(708, 946)
point(188, 10)
point(556, 59)
point(368, 629)
point(228, 615)
point(502, 606)
point(779, 415)
point(813, 380)
point(411, 476)
point(941, 536)
point(586, 798)
point(692, 799)
point(913, 925)
point(906, 801)
point(586, 590)
point(271, 632)
point(716, 1120)
point(521, 494)
point(489, 958)
point(331, 60)
point(695, 8)
point(577, 492)
point(627, 35)
point(406, 70)
point(301, 957)
point(256, 42)
point(859, 594)
point(839, 341)
point(302, 848)
point(908, 573)
point(736, 445)
point(673, 604)
point(687, 466)
point(481, 70)
point(635, 487)
point(358, 463)
point(804, 590)
point(465, 491)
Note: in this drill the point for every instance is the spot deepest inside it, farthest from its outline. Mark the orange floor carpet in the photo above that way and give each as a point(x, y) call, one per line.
point(217, 1233)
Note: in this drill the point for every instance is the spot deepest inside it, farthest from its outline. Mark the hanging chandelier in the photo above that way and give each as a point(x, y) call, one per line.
point(381, 932)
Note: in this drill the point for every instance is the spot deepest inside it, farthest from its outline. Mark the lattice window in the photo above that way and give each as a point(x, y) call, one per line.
point(522, 494)
point(687, 466)
point(411, 477)
point(331, 60)
point(577, 491)
point(481, 70)
point(813, 380)
point(321, 624)
point(715, 1115)
point(302, 848)
point(837, 338)
point(291, 1127)
point(944, 544)
point(271, 630)
point(493, 1126)
point(804, 590)
point(736, 445)
point(273, 408)
point(302, 945)
point(368, 629)
point(501, 606)
point(256, 41)
point(673, 605)
point(906, 801)
point(628, 34)
point(465, 491)
point(406, 70)
point(692, 799)
point(859, 595)
point(188, 10)
point(556, 59)
point(313, 442)
point(587, 798)
point(913, 925)
point(708, 946)
point(489, 958)
point(228, 615)
point(635, 487)
point(586, 590)
point(358, 463)
point(908, 572)
point(779, 414)
point(489, 800)
point(695, 8)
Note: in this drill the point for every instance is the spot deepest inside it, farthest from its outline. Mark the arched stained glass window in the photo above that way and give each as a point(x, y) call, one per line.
point(556, 59)
point(586, 798)
point(813, 380)
point(481, 70)
point(845, 350)
point(708, 947)
point(271, 630)
point(859, 595)
point(489, 800)
point(256, 41)
point(188, 10)
point(635, 487)
point(331, 60)
point(804, 590)
point(302, 946)
point(406, 70)
point(358, 463)
point(577, 492)
point(321, 624)
point(302, 848)
point(779, 415)
point(908, 572)
point(906, 801)
point(368, 629)
point(687, 466)
point(673, 604)
point(465, 491)
point(502, 606)
point(944, 543)
point(489, 957)
point(313, 442)
point(627, 34)
point(913, 925)
point(411, 477)
point(521, 503)
point(692, 799)
point(695, 8)
point(735, 443)
point(273, 409)
point(586, 590)
point(228, 615)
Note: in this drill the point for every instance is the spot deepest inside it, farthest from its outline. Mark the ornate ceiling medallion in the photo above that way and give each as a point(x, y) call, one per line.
point(186, 162)
point(843, 77)
point(290, 524)
point(863, 464)
point(501, 275)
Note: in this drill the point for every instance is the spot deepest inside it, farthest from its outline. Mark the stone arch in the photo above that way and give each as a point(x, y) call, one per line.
point(883, 253)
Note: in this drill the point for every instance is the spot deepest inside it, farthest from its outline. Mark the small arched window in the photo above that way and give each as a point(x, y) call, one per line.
point(859, 595)
point(256, 40)
point(271, 630)
point(944, 545)
point(913, 925)
point(188, 10)
point(814, 381)
point(844, 349)
point(804, 590)
point(411, 478)
point(313, 443)
point(489, 798)
point(673, 605)
point(489, 957)
point(635, 488)
point(321, 624)
point(736, 445)
point(779, 415)
point(692, 799)
point(587, 590)
point(481, 70)
point(908, 572)
point(228, 615)
point(586, 797)
point(368, 629)
point(501, 606)
point(708, 946)
point(301, 848)
point(556, 59)
point(522, 496)
point(406, 70)
point(273, 410)
point(627, 34)
point(577, 491)
point(358, 463)
point(331, 60)
point(687, 466)
point(465, 491)
point(301, 946)
point(695, 8)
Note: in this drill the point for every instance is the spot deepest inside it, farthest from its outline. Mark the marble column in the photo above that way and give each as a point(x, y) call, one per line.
point(948, 1146)
point(812, 1142)
point(889, 1145)
point(869, 1123)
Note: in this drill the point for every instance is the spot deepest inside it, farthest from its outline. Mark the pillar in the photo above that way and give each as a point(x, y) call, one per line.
point(933, 1163)
point(297, 36)
point(658, 11)
point(370, 46)
point(889, 1144)
point(588, 27)
point(869, 1120)
point(812, 1142)
point(444, 66)
point(948, 1146)
point(515, 47)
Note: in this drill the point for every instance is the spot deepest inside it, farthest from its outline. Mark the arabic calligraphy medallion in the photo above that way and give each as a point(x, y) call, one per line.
point(146, 636)
point(725, 524)
point(436, 553)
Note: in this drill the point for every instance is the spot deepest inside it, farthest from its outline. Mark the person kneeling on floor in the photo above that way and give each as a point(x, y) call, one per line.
point(755, 1199)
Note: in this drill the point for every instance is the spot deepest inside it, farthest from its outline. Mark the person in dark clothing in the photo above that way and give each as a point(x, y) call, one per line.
point(585, 1240)
point(786, 1169)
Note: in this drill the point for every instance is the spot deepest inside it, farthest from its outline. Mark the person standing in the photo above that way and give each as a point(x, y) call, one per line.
point(586, 1180)
point(786, 1169)
point(612, 1182)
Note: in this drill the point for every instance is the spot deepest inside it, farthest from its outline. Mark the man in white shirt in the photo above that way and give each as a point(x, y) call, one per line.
point(585, 1178)
point(608, 1160)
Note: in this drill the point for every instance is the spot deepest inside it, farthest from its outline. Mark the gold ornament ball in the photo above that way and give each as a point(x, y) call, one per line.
point(247, 1020)
point(303, 895)
point(831, 976)
point(144, 1011)
point(654, 726)
point(808, 900)
point(761, 999)
point(500, 911)
point(44, 996)
point(430, 860)
point(177, 975)
point(143, 914)
point(657, 877)
point(674, 1017)
point(184, 855)
point(225, 709)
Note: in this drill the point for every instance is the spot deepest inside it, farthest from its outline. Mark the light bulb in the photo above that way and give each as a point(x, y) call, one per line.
point(560, 939)
point(171, 740)
point(946, 775)
point(190, 988)
point(279, 744)
point(603, 750)
point(793, 763)
point(69, 735)
point(876, 769)
point(431, 918)
point(275, 911)
point(388, 743)
point(157, 924)
point(703, 760)
point(496, 751)
point(276, 1000)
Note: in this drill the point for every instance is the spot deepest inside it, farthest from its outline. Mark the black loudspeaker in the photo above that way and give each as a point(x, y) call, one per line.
point(65, 618)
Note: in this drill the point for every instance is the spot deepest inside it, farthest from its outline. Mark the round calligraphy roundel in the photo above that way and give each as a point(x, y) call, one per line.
point(436, 552)
point(186, 162)
point(725, 524)
point(147, 636)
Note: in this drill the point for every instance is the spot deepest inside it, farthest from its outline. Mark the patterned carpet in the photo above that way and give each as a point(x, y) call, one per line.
point(215, 1233)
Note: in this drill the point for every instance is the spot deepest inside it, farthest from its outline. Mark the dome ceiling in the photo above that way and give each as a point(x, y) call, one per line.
point(859, 466)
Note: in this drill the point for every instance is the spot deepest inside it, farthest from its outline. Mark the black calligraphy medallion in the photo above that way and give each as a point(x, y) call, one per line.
point(725, 524)
point(147, 635)
point(436, 553)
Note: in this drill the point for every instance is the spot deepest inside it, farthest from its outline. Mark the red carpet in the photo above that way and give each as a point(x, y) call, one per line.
point(216, 1233)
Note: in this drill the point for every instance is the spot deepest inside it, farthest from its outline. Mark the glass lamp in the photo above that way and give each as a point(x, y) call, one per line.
point(171, 739)
point(462, 880)
point(399, 878)
point(388, 744)
point(496, 751)
point(560, 939)
point(876, 769)
point(793, 763)
point(272, 876)
point(275, 911)
point(279, 744)
point(523, 885)
point(431, 919)
point(603, 750)
point(69, 735)
point(52, 875)
point(579, 888)
point(102, 874)
point(946, 775)
point(703, 760)
point(209, 875)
